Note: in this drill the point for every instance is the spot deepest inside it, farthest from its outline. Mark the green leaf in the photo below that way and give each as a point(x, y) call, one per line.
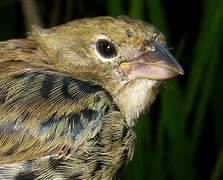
point(136, 9)
point(115, 7)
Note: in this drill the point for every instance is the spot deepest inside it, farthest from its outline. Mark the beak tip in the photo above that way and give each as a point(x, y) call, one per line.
point(167, 59)
point(181, 71)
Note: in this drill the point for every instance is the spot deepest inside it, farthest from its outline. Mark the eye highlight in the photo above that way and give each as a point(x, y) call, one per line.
point(106, 49)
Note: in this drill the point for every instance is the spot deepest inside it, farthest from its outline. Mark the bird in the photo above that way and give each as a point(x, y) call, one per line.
point(71, 95)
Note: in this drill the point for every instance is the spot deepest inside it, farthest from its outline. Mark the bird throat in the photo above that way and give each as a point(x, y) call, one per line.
point(136, 96)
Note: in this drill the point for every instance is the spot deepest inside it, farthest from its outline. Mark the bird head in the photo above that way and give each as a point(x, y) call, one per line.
point(125, 56)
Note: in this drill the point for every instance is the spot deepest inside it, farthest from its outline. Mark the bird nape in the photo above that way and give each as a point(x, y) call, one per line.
point(71, 95)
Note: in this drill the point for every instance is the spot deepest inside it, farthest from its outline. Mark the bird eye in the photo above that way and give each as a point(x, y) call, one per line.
point(106, 49)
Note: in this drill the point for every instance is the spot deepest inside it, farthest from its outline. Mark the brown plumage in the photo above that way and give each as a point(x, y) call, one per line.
point(70, 97)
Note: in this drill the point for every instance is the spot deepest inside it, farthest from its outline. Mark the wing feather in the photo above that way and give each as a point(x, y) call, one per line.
point(46, 113)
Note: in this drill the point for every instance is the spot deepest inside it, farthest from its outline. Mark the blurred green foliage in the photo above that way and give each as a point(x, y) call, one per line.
point(182, 136)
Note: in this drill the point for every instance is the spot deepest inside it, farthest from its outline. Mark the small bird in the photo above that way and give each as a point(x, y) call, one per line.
point(71, 95)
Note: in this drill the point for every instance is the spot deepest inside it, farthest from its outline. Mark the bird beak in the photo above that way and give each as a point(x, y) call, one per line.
point(156, 64)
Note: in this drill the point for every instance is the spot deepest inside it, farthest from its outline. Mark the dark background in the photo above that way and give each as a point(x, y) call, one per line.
point(181, 138)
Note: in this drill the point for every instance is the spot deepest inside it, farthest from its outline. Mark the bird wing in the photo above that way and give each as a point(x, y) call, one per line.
point(46, 113)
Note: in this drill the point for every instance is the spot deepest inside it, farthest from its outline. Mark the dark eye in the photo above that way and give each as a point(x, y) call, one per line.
point(106, 49)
